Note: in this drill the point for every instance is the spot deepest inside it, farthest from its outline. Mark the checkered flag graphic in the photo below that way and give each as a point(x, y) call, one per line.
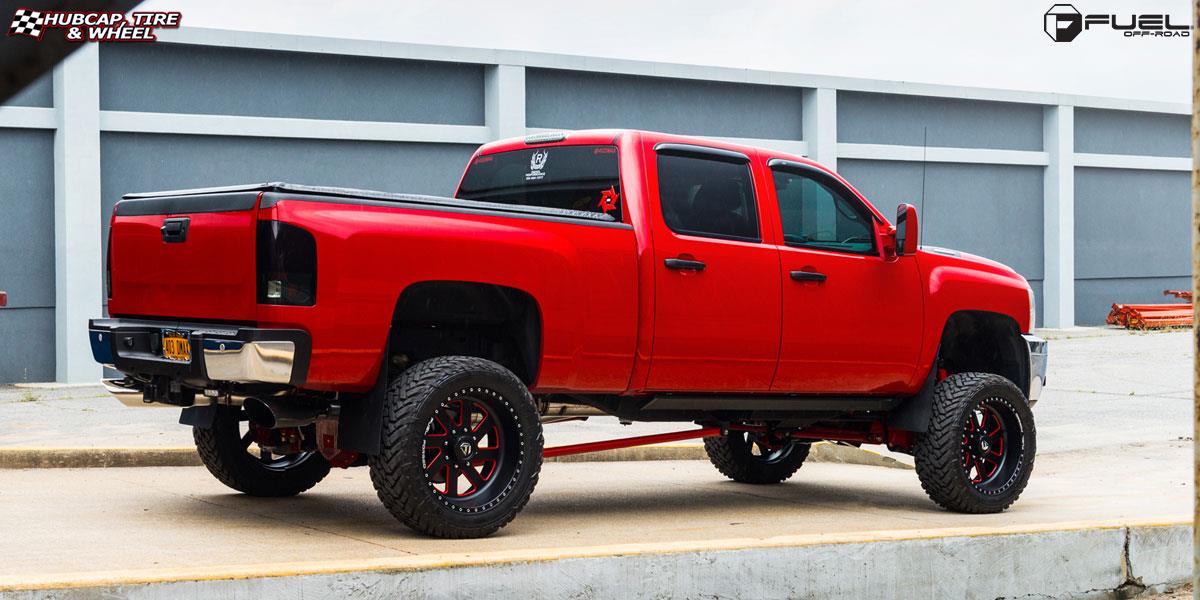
point(27, 22)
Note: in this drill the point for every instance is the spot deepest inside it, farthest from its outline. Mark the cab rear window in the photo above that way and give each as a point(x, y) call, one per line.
point(585, 178)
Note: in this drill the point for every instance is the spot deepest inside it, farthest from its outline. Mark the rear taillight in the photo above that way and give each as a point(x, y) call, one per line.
point(108, 264)
point(287, 265)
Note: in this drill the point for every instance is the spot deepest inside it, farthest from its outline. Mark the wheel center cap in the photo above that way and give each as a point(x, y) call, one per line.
point(984, 445)
point(465, 448)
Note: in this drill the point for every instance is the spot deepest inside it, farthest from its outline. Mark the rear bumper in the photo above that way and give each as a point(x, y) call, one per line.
point(1038, 353)
point(220, 353)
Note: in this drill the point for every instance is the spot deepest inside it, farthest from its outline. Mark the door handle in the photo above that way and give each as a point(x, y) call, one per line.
point(808, 276)
point(683, 264)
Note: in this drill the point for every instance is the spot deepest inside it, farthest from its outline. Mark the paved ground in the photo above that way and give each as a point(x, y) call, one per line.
point(1109, 392)
point(1114, 444)
point(95, 520)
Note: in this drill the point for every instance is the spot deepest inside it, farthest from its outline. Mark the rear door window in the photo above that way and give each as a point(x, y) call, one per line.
point(707, 197)
point(584, 178)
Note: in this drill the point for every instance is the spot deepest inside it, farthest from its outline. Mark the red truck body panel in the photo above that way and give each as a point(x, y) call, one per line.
point(581, 276)
point(613, 319)
point(716, 329)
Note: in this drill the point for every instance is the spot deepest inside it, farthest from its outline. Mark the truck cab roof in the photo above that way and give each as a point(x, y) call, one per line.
point(549, 137)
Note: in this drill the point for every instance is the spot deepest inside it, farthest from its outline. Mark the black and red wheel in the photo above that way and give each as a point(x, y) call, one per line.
point(978, 453)
point(258, 461)
point(462, 447)
point(467, 449)
point(756, 457)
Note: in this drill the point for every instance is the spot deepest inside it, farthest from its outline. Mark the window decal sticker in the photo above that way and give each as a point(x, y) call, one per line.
point(536, 162)
point(609, 199)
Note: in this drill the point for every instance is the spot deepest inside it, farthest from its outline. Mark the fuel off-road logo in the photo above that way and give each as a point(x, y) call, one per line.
point(1064, 23)
point(83, 26)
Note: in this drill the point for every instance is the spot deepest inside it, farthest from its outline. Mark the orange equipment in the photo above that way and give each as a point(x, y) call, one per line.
point(1153, 316)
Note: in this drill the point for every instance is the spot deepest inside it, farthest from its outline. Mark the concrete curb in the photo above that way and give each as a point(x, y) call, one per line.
point(88, 458)
point(1070, 560)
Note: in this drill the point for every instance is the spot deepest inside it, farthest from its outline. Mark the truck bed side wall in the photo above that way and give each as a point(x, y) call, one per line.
point(583, 277)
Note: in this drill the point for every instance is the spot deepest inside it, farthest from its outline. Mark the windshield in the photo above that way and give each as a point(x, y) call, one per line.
point(585, 178)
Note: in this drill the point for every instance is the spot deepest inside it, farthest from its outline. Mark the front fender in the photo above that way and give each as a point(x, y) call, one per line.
point(959, 282)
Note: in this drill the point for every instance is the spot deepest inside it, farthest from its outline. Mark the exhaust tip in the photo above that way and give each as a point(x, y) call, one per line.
point(259, 412)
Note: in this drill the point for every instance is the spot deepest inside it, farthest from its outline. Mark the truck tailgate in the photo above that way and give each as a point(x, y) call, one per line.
point(184, 257)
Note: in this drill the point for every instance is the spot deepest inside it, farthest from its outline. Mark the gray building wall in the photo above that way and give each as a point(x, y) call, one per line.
point(989, 210)
point(1132, 238)
point(265, 83)
point(39, 93)
point(27, 248)
point(578, 100)
point(1131, 226)
point(1125, 132)
point(948, 122)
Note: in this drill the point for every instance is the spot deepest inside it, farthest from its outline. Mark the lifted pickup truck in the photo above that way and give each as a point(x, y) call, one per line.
point(646, 276)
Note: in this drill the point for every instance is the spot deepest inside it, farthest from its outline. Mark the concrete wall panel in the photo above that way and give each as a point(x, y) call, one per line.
point(1095, 297)
point(579, 100)
point(895, 119)
point(27, 343)
point(39, 93)
point(227, 81)
point(27, 248)
point(1155, 557)
point(989, 210)
point(1126, 132)
point(1131, 223)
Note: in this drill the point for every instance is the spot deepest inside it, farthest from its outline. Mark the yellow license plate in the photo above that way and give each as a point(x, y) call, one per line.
point(176, 347)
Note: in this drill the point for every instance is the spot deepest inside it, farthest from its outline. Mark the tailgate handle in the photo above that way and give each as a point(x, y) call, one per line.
point(174, 231)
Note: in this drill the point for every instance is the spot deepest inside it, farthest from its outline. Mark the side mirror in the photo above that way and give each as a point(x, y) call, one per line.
point(906, 229)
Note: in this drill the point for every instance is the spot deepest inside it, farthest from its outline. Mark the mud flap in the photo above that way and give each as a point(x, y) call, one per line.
point(360, 422)
point(913, 414)
point(198, 416)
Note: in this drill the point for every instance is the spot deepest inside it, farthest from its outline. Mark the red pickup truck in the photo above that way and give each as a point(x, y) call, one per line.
point(645, 276)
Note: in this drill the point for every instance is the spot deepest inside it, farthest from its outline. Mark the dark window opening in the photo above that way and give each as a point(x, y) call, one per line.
point(707, 197)
point(584, 178)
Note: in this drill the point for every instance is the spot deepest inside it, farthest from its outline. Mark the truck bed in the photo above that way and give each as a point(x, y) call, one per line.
point(192, 200)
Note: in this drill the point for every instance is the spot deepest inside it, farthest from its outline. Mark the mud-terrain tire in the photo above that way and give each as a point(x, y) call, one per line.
point(978, 453)
point(433, 445)
point(225, 450)
point(733, 454)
